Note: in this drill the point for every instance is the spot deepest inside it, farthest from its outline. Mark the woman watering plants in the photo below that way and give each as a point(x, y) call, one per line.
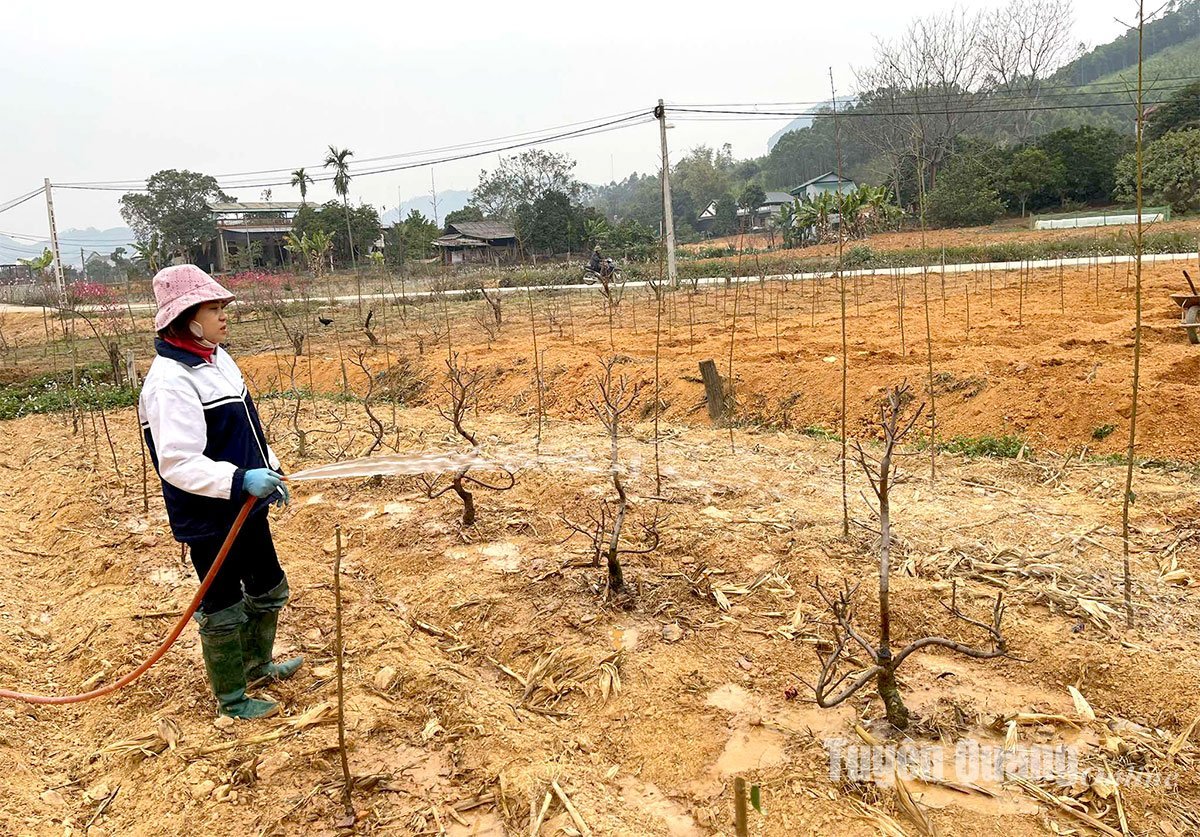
point(209, 450)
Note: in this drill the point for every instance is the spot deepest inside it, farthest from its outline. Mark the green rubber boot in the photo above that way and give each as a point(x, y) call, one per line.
point(221, 643)
point(258, 637)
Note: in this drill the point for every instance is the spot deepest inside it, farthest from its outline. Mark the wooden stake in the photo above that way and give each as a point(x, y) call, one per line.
point(741, 825)
point(347, 782)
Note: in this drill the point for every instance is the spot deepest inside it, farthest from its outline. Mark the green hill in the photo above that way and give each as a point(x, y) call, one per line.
point(1179, 25)
point(1164, 73)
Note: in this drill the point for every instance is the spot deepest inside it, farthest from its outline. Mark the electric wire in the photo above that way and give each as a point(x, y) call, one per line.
point(15, 202)
point(398, 155)
point(589, 127)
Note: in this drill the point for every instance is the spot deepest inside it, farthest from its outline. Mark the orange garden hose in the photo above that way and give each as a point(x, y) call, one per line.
point(167, 643)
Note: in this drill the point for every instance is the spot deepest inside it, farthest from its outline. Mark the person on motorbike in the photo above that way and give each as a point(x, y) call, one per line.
point(596, 262)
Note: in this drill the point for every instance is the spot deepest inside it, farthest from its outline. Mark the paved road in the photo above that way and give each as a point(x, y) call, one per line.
point(975, 267)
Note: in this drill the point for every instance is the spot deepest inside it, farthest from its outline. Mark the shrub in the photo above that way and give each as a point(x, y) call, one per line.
point(964, 196)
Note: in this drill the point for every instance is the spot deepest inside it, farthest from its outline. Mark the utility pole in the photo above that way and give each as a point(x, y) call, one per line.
point(83, 264)
point(58, 268)
point(668, 214)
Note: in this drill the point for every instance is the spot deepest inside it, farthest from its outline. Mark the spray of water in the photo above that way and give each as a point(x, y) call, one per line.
point(449, 462)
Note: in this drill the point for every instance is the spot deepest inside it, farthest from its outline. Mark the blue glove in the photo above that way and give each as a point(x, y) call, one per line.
point(284, 497)
point(262, 482)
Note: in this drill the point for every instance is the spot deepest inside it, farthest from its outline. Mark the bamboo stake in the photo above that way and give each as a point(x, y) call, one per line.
point(347, 782)
point(1137, 334)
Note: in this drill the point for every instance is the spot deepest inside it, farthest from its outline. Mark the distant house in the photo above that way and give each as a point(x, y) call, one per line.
point(770, 207)
point(827, 182)
point(477, 242)
point(242, 223)
point(16, 274)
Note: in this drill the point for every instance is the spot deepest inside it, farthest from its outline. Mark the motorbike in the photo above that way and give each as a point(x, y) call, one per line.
point(608, 274)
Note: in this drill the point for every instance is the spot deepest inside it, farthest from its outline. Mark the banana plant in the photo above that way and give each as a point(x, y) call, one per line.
point(148, 254)
point(596, 230)
point(39, 264)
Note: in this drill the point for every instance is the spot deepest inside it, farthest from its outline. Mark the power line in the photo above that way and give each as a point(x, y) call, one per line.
point(1037, 91)
point(400, 155)
point(40, 237)
point(15, 202)
point(930, 113)
point(527, 138)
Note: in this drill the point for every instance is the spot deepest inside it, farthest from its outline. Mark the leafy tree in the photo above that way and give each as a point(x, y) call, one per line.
point(1180, 112)
point(633, 240)
point(551, 224)
point(311, 248)
point(1170, 171)
point(1089, 157)
point(410, 239)
point(339, 161)
point(596, 232)
point(638, 196)
point(726, 220)
point(522, 180)
point(964, 196)
point(300, 178)
point(467, 213)
point(799, 156)
point(752, 197)
point(174, 210)
point(702, 175)
point(341, 223)
point(1031, 171)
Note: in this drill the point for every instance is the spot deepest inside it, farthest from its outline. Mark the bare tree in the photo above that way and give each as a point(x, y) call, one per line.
point(1021, 43)
point(616, 397)
point(835, 681)
point(927, 83)
point(377, 430)
point(461, 390)
point(371, 338)
point(493, 301)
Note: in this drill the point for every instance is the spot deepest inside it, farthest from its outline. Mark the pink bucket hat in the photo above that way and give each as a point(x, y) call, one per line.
point(179, 287)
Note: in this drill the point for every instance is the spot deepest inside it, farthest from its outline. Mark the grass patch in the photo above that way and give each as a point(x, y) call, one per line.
point(817, 431)
point(1103, 432)
point(996, 447)
point(52, 393)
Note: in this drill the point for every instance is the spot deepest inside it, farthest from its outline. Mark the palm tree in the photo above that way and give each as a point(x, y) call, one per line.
point(300, 178)
point(339, 160)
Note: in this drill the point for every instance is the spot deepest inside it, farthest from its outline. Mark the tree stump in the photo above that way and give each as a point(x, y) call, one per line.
point(714, 389)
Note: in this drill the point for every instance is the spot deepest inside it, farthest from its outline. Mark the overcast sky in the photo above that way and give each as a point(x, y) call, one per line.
point(106, 91)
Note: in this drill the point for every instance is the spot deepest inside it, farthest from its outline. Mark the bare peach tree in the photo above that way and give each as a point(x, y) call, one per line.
point(605, 523)
point(493, 300)
point(368, 400)
point(836, 681)
point(462, 390)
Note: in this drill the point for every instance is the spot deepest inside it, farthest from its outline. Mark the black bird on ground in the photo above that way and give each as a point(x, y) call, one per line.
point(325, 321)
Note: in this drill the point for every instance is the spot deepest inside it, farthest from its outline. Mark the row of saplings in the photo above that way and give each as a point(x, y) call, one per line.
point(840, 673)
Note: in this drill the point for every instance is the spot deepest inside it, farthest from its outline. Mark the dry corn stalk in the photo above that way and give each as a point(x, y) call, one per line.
point(1082, 708)
point(910, 807)
point(887, 825)
point(165, 736)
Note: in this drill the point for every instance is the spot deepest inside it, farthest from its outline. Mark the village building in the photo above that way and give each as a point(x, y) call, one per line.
point(827, 182)
point(478, 242)
point(241, 225)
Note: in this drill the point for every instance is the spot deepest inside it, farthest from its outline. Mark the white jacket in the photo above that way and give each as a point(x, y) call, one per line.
point(204, 433)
